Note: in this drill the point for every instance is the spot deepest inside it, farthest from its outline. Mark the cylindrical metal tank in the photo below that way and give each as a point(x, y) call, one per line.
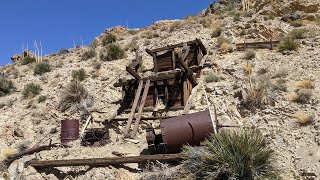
point(188, 129)
point(69, 130)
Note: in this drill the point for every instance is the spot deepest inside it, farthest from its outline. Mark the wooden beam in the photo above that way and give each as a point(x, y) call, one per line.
point(133, 109)
point(133, 73)
point(173, 60)
point(143, 100)
point(155, 64)
point(94, 162)
point(142, 118)
point(149, 52)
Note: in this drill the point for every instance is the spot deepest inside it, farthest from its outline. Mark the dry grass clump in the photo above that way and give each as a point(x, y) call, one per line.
point(249, 54)
point(306, 84)
point(288, 45)
point(216, 32)
point(263, 70)
point(91, 53)
point(303, 118)
point(73, 94)
point(298, 33)
point(41, 68)
point(211, 78)
point(174, 26)
point(242, 154)
point(96, 65)
point(159, 171)
point(42, 99)
point(31, 90)
point(6, 86)
point(133, 46)
point(206, 21)
point(296, 23)
point(221, 39)
point(301, 96)
point(281, 72)
point(79, 75)
point(248, 68)
point(112, 52)
point(108, 39)
point(280, 85)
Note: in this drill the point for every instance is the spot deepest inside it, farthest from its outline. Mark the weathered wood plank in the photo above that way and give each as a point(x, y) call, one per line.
point(143, 100)
point(133, 109)
point(105, 161)
point(133, 73)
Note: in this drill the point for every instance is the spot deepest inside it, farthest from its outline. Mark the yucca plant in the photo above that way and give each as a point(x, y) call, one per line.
point(240, 154)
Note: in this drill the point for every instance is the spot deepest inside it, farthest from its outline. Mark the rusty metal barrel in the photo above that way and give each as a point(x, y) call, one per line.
point(69, 130)
point(188, 129)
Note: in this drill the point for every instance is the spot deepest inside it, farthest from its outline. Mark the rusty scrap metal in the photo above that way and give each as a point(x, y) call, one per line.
point(95, 137)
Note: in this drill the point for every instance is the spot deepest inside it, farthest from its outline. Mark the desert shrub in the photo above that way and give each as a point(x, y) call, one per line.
point(307, 84)
point(297, 33)
point(248, 68)
point(301, 96)
point(159, 171)
point(41, 68)
point(72, 94)
point(249, 54)
point(174, 26)
point(63, 51)
point(221, 39)
point(211, 78)
point(263, 70)
point(79, 75)
point(31, 90)
point(236, 17)
point(216, 32)
point(112, 52)
point(94, 43)
point(281, 72)
point(6, 86)
point(133, 46)
point(226, 47)
point(42, 99)
point(271, 17)
point(206, 22)
point(28, 60)
point(280, 85)
point(242, 154)
point(288, 45)
point(296, 23)
point(108, 39)
point(96, 65)
point(303, 118)
point(88, 54)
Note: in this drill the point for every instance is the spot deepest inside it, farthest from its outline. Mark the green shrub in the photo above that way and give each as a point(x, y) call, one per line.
point(206, 22)
point(216, 32)
point(94, 43)
point(71, 95)
point(41, 68)
point(112, 52)
point(242, 154)
point(88, 54)
point(211, 78)
point(298, 33)
point(108, 39)
point(31, 90)
point(250, 54)
point(6, 86)
point(28, 60)
point(236, 17)
point(176, 25)
point(288, 45)
point(296, 23)
point(79, 75)
point(42, 99)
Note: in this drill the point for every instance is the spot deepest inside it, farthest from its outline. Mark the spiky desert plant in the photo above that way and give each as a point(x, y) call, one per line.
point(6, 86)
point(242, 154)
point(72, 94)
point(41, 68)
point(79, 74)
point(31, 90)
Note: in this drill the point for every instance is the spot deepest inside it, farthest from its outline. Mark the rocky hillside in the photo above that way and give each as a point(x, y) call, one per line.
point(276, 91)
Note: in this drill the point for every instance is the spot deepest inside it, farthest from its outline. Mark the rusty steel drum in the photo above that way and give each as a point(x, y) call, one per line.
point(69, 130)
point(188, 129)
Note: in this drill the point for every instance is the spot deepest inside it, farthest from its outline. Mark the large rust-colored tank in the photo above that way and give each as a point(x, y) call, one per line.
point(175, 132)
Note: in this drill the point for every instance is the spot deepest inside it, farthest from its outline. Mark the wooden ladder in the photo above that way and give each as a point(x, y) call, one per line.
point(134, 107)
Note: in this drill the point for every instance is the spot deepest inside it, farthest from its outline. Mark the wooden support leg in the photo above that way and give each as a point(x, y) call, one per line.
point(143, 100)
point(133, 109)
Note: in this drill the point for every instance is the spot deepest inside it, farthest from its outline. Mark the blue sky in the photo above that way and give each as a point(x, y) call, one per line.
point(56, 23)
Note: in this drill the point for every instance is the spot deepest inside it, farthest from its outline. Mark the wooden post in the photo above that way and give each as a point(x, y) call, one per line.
point(133, 109)
point(143, 100)
point(166, 93)
point(155, 64)
point(173, 60)
point(155, 95)
point(94, 162)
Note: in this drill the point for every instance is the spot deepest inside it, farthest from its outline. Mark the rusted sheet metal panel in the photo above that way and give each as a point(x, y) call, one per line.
point(69, 130)
point(188, 129)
